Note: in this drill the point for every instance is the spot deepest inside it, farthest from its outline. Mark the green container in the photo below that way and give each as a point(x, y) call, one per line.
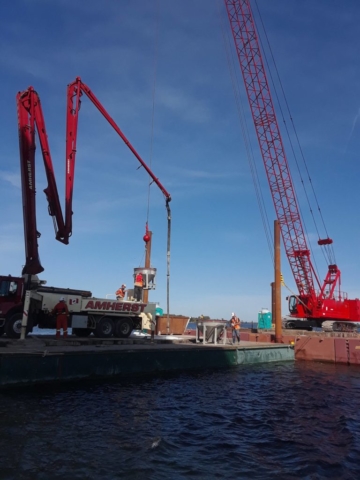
point(159, 312)
point(264, 320)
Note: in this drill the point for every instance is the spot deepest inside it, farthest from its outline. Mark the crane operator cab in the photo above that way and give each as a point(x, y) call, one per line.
point(299, 306)
point(293, 305)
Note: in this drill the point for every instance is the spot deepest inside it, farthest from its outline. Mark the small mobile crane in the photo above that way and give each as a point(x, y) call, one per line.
point(317, 302)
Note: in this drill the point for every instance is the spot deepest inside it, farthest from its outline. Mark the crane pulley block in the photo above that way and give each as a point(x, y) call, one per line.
point(325, 241)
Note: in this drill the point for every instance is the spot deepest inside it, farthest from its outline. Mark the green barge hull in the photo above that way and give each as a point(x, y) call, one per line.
point(40, 360)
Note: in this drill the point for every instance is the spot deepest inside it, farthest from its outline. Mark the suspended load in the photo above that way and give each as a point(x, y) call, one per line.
point(148, 275)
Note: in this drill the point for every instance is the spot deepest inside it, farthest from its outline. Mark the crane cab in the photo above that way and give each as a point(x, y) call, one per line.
point(292, 305)
point(299, 306)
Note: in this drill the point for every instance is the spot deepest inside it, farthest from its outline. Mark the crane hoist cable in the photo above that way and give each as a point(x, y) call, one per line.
point(155, 58)
point(329, 253)
point(275, 90)
point(244, 130)
point(155, 61)
point(240, 108)
point(155, 64)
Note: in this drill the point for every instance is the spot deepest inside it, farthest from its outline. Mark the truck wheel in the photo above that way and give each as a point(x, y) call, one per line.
point(123, 328)
point(13, 326)
point(104, 328)
point(81, 332)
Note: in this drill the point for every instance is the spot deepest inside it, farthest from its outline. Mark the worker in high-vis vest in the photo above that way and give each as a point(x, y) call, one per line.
point(61, 313)
point(120, 292)
point(235, 327)
point(138, 287)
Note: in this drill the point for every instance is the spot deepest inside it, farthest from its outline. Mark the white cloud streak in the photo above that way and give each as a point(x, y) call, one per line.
point(351, 131)
point(13, 178)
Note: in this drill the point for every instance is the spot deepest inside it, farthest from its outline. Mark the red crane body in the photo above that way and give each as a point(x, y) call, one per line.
point(328, 303)
point(30, 115)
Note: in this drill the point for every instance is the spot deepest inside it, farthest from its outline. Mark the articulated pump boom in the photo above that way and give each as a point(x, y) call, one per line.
point(30, 115)
point(315, 301)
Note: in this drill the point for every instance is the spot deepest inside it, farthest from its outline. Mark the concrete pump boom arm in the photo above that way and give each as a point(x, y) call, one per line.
point(30, 115)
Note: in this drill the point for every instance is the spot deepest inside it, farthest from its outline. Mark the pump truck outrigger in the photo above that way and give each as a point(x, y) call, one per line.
point(25, 300)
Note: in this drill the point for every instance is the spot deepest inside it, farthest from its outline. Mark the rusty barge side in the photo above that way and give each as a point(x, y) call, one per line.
point(331, 347)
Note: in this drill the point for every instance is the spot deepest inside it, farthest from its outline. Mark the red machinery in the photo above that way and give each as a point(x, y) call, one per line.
point(30, 114)
point(315, 301)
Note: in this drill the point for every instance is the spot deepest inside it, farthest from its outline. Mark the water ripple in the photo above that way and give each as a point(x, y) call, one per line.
point(282, 421)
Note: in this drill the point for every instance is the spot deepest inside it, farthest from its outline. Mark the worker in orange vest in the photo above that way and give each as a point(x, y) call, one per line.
point(120, 292)
point(61, 313)
point(138, 287)
point(235, 327)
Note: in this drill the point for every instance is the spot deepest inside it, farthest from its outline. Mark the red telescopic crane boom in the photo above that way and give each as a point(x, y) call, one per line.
point(30, 115)
point(329, 302)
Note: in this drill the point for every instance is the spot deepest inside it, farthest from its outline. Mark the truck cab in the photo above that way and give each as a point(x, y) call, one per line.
point(11, 295)
point(10, 287)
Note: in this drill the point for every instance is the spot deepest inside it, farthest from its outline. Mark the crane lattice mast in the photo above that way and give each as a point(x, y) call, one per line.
point(271, 144)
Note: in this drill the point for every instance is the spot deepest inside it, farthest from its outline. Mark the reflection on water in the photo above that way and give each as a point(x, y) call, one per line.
point(278, 421)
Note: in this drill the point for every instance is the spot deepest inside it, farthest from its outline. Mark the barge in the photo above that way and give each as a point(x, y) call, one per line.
point(43, 359)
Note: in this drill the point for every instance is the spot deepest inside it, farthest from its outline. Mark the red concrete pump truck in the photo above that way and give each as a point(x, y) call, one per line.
point(317, 302)
point(25, 301)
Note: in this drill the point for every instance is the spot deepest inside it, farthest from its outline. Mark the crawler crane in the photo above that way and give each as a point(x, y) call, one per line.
point(317, 302)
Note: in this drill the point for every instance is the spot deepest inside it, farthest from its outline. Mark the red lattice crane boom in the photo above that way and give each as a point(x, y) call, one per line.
point(328, 303)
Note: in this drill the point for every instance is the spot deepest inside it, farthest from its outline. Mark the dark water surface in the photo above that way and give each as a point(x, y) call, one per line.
point(279, 421)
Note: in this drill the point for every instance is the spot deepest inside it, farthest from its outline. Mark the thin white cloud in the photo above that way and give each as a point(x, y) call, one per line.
point(181, 104)
point(11, 243)
point(104, 205)
point(189, 173)
point(13, 178)
point(352, 131)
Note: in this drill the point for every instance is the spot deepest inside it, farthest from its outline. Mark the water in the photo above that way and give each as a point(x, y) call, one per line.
point(283, 421)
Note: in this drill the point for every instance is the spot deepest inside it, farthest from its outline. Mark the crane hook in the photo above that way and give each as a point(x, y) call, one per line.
point(146, 237)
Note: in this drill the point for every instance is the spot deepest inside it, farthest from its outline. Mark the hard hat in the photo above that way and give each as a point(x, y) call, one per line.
point(123, 285)
point(233, 314)
point(62, 299)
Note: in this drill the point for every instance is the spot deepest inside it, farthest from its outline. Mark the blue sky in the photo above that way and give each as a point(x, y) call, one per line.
point(220, 261)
